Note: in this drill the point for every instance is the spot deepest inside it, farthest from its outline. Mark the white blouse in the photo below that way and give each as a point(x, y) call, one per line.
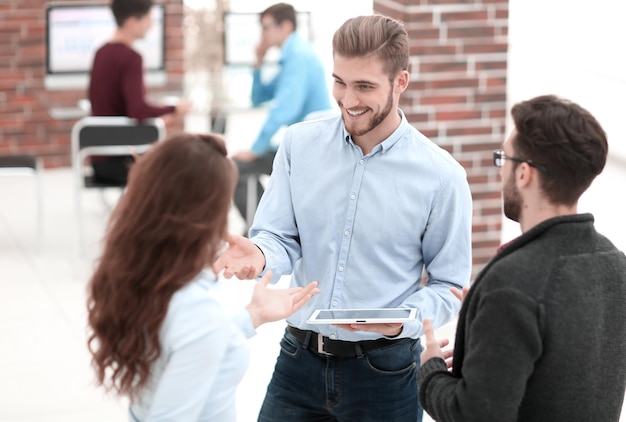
point(204, 357)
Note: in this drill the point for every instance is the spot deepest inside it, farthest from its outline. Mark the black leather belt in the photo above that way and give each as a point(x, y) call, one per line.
point(327, 346)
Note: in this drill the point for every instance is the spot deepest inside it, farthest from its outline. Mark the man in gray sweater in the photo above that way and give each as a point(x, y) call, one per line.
point(541, 335)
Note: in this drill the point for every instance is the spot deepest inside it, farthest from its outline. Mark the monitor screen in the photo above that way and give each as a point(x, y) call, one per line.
point(75, 31)
point(242, 32)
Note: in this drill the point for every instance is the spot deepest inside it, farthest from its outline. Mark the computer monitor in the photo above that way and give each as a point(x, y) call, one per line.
point(75, 31)
point(242, 32)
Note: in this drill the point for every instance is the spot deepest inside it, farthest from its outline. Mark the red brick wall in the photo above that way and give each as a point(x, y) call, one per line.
point(25, 123)
point(457, 96)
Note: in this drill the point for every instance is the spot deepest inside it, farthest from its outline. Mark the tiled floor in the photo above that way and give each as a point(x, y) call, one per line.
point(44, 366)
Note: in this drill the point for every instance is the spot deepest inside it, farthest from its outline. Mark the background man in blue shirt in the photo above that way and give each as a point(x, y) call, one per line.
point(364, 203)
point(297, 90)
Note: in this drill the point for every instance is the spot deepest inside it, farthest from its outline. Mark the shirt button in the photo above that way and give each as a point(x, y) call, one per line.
point(335, 303)
point(332, 336)
point(361, 161)
point(340, 269)
point(347, 233)
point(352, 196)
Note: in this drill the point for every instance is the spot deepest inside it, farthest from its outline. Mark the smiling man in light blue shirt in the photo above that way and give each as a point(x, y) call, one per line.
point(364, 203)
point(297, 90)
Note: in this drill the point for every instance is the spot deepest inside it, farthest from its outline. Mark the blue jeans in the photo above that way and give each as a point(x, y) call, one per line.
point(379, 385)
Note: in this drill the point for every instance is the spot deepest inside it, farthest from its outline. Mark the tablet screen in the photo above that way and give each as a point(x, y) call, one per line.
point(363, 316)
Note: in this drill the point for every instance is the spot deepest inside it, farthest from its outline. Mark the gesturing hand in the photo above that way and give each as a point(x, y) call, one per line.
point(268, 304)
point(460, 294)
point(433, 346)
point(242, 259)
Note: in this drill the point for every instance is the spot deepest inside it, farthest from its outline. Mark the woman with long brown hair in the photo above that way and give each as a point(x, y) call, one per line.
point(157, 331)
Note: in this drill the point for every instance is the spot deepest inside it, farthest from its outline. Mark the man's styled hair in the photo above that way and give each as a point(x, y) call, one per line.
point(124, 9)
point(281, 12)
point(566, 139)
point(375, 35)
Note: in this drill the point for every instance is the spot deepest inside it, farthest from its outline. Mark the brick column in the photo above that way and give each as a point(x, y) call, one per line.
point(457, 96)
point(25, 124)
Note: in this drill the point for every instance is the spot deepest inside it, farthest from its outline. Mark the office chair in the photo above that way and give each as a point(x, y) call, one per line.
point(28, 165)
point(107, 136)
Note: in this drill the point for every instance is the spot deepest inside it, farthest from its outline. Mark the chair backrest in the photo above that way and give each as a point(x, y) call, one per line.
point(18, 161)
point(110, 136)
point(99, 133)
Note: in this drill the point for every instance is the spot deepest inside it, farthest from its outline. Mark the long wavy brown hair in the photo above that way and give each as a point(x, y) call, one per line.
point(165, 230)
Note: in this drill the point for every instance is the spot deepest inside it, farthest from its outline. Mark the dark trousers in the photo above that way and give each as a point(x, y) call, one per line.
point(378, 385)
point(261, 165)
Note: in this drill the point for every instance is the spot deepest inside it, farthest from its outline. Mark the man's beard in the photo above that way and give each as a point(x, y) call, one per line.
point(512, 199)
point(374, 121)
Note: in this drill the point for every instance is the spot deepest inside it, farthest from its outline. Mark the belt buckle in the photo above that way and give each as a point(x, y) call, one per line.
point(320, 346)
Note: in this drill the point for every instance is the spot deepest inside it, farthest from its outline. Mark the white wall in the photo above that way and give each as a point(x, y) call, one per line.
point(575, 49)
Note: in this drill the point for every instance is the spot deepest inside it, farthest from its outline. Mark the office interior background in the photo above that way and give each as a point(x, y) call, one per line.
point(472, 60)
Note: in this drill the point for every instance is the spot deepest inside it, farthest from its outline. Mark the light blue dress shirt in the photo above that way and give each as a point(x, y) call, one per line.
point(298, 89)
point(365, 226)
point(204, 356)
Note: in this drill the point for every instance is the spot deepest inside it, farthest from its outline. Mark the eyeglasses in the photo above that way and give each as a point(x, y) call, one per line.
point(499, 156)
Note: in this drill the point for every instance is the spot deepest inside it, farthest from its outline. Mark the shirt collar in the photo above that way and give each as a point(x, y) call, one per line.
point(390, 141)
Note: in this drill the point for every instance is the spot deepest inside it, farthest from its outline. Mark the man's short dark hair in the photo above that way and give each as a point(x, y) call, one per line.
point(566, 139)
point(124, 9)
point(281, 12)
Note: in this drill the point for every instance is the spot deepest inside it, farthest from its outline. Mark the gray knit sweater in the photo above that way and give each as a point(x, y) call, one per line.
point(541, 335)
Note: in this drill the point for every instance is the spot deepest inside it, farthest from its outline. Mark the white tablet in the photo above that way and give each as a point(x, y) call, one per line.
point(362, 316)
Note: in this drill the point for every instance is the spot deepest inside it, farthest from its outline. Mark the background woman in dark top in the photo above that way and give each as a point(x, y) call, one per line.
point(117, 88)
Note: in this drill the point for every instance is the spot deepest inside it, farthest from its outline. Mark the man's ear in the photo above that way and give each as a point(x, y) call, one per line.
point(402, 82)
point(287, 26)
point(524, 175)
point(131, 21)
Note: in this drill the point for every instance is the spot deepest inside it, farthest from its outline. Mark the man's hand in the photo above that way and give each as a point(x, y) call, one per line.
point(388, 330)
point(183, 107)
point(260, 51)
point(434, 347)
point(244, 156)
point(460, 294)
point(242, 259)
point(269, 304)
